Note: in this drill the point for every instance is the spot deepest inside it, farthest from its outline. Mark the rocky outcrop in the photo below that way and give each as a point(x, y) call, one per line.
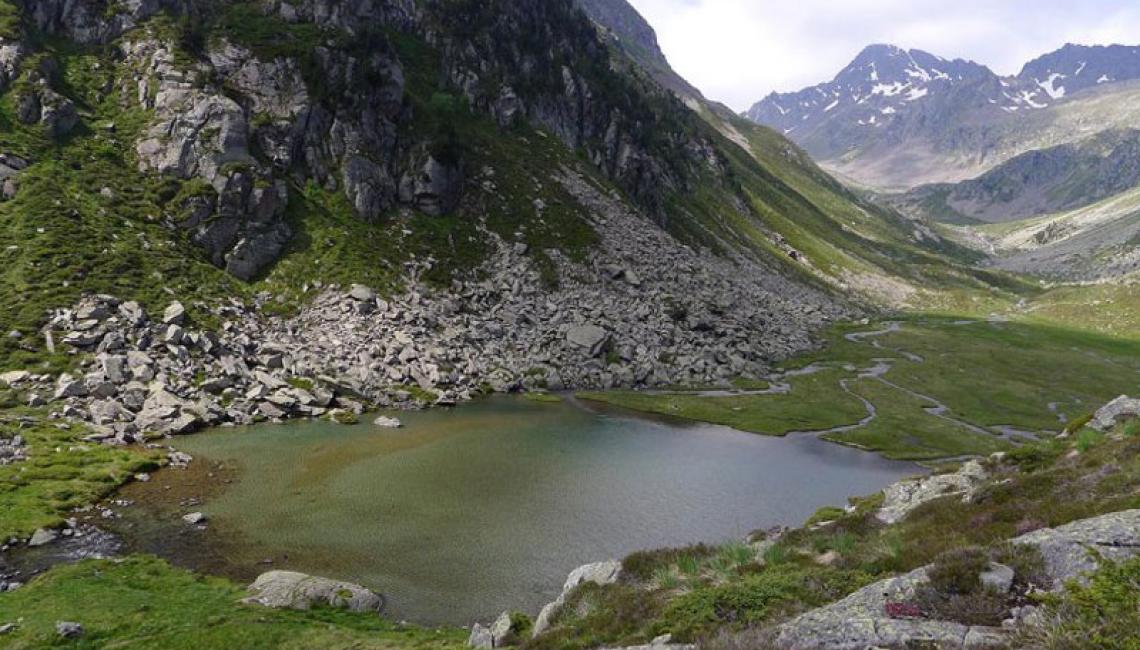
point(861, 621)
point(1118, 410)
point(500, 634)
point(291, 590)
point(12, 450)
point(864, 619)
point(38, 102)
point(904, 496)
point(599, 573)
point(1077, 548)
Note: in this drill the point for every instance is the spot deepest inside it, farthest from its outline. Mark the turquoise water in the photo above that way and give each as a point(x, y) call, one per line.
point(467, 512)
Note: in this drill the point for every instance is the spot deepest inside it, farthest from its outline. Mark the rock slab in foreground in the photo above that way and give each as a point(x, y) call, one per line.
point(292, 590)
point(859, 621)
point(903, 497)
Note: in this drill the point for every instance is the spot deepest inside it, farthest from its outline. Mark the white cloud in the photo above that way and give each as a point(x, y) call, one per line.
point(737, 51)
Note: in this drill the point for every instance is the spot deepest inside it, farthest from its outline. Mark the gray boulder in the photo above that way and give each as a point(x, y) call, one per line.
point(175, 314)
point(1068, 550)
point(362, 293)
point(903, 497)
point(599, 573)
point(480, 637)
point(43, 537)
point(1120, 409)
point(292, 590)
point(68, 629)
point(591, 338)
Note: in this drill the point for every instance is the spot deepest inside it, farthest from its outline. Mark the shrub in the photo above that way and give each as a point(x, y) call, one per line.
point(1087, 439)
point(826, 513)
point(748, 600)
point(982, 607)
point(1027, 563)
point(958, 571)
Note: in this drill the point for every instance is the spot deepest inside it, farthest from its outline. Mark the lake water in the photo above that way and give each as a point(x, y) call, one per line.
point(467, 512)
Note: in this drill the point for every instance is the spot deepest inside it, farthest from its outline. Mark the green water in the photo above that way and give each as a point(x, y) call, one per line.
point(467, 512)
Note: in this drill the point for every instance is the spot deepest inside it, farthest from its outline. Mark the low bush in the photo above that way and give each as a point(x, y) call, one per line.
point(958, 572)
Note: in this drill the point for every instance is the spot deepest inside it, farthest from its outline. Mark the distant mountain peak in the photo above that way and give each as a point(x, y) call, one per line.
point(889, 98)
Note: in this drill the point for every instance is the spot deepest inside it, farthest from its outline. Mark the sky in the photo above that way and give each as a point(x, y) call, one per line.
point(737, 51)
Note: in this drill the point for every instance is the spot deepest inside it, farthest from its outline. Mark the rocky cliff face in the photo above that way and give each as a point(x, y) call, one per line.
point(533, 210)
point(242, 112)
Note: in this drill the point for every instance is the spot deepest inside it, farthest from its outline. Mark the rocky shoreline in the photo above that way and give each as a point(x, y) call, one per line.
point(643, 311)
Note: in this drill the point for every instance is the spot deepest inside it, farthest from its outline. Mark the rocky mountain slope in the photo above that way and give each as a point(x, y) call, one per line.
point(897, 118)
point(1056, 179)
point(265, 151)
point(1091, 244)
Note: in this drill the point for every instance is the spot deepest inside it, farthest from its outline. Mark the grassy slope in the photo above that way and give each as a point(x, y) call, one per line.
point(698, 592)
point(142, 602)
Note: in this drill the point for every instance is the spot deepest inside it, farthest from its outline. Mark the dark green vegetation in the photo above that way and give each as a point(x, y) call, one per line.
point(61, 473)
point(696, 593)
point(1029, 376)
point(1105, 613)
point(142, 602)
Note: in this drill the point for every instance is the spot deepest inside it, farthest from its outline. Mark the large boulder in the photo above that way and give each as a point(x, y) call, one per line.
point(292, 590)
point(599, 573)
point(1120, 409)
point(903, 497)
point(591, 338)
point(1073, 549)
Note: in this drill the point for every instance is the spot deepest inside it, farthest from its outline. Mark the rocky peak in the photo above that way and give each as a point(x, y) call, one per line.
point(1077, 67)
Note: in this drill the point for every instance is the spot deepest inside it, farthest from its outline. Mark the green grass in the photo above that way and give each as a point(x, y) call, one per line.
point(903, 430)
point(816, 402)
point(60, 474)
point(141, 602)
point(989, 374)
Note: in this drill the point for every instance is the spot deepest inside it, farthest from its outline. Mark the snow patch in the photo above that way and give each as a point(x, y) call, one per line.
point(1080, 68)
point(1103, 79)
point(890, 110)
point(831, 106)
point(889, 90)
point(1050, 86)
point(917, 93)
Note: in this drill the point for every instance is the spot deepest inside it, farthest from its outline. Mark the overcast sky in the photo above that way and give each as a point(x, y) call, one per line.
point(737, 51)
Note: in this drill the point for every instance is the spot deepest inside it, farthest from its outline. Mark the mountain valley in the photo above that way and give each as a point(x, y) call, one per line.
point(441, 299)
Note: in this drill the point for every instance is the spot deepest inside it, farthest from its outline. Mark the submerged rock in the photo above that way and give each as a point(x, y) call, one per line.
point(292, 590)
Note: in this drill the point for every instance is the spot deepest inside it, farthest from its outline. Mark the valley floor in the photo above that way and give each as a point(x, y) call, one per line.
point(920, 387)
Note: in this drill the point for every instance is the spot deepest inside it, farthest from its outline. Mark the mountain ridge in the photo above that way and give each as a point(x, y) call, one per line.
point(892, 109)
